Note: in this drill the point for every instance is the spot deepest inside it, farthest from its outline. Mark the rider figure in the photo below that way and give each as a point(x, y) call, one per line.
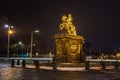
point(68, 25)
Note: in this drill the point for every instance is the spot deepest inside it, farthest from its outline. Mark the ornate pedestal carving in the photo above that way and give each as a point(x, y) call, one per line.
point(68, 47)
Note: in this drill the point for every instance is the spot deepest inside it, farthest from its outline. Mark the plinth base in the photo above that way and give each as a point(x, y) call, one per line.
point(71, 65)
point(69, 47)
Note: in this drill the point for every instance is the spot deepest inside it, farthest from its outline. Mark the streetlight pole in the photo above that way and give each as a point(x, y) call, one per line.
point(20, 43)
point(31, 45)
point(8, 42)
point(9, 32)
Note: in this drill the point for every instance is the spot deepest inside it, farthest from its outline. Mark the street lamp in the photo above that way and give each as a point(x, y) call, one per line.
point(35, 31)
point(20, 43)
point(9, 32)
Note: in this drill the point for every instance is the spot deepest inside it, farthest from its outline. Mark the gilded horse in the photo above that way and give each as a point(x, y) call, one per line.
point(68, 25)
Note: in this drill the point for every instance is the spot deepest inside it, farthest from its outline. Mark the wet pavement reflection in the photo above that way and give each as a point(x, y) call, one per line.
point(17, 73)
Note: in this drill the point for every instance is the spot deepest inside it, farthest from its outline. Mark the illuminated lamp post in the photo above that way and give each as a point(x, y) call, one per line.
point(20, 43)
point(9, 32)
point(31, 45)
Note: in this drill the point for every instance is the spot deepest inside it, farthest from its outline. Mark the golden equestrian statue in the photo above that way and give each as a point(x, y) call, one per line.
point(68, 25)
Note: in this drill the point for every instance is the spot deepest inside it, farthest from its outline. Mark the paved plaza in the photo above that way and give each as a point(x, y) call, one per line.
point(30, 73)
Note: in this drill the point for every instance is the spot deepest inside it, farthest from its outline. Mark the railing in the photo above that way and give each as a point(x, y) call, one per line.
point(35, 60)
point(19, 58)
point(107, 60)
point(102, 62)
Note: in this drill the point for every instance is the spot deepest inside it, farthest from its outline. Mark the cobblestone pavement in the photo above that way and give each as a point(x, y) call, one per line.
point(17, 73)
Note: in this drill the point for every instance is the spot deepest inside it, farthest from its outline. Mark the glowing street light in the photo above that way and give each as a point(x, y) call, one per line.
point(9, 32)
point(35, 31)
point(20, 43)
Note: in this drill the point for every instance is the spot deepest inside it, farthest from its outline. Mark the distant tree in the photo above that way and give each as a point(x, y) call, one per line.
point(41, 47)
point(87, 48)
point(16, 49)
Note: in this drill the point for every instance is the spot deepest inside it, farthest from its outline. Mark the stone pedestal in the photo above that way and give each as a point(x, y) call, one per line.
point(69, 47)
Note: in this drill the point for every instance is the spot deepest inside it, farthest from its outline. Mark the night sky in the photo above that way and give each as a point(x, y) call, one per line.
point(97, 20)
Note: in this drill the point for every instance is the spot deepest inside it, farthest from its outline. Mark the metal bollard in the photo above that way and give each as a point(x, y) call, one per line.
point(12, 63)
point(18, 62)
point(23, 63)
point(103, 65)
point(87, 65)
point(37, 64)
point(116, 64)
point(54, 64)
